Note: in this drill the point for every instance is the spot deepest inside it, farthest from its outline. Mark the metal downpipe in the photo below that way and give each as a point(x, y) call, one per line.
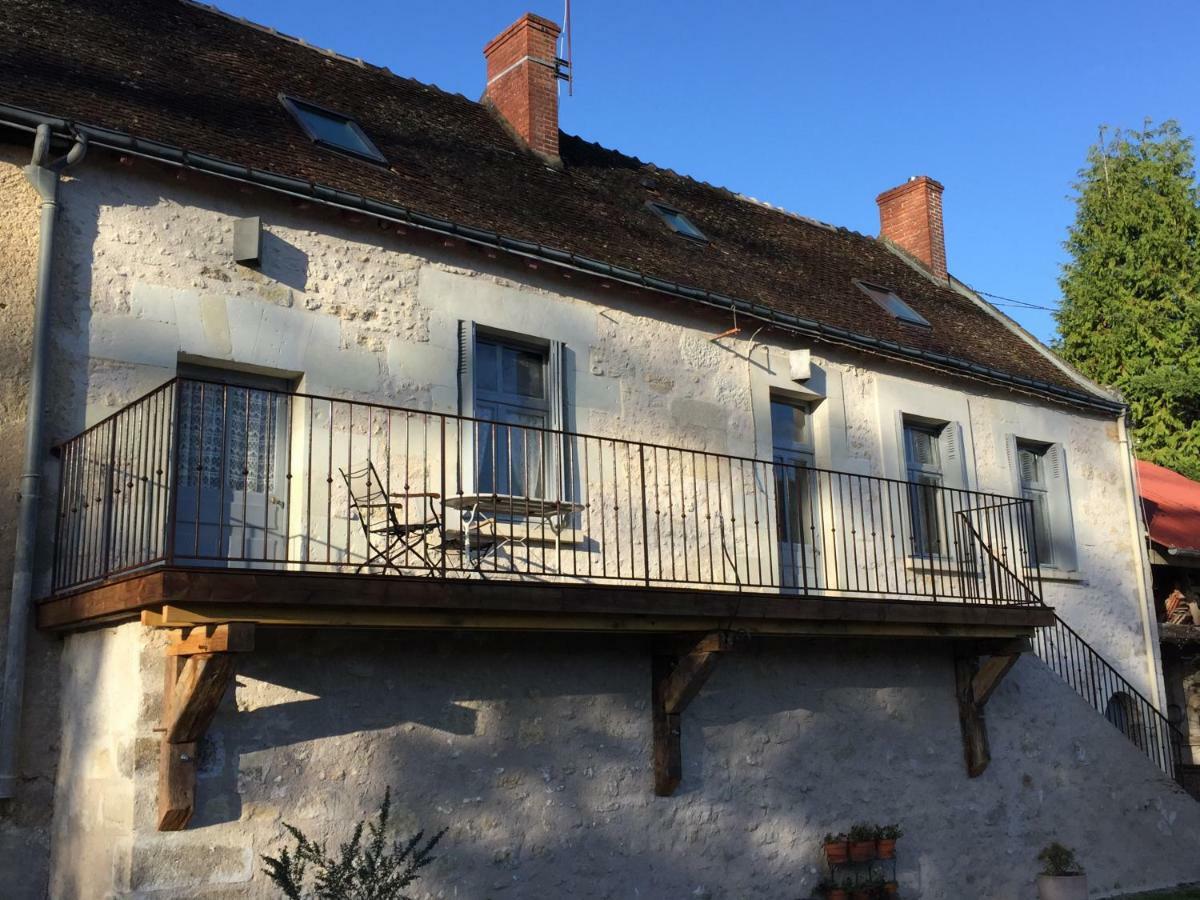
point(44, 176)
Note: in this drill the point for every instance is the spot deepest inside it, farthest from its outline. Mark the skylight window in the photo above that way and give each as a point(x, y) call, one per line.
point(894, 305)
point(332, 129)
point(677, 221)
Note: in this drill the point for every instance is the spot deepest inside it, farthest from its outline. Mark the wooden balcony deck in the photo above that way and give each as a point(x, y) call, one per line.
point(169, 596)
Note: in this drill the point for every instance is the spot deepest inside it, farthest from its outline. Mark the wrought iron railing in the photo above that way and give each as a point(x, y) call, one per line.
point(1110, 694)
point(199, 473)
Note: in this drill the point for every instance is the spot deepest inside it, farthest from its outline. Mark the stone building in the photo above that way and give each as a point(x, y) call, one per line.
point(636, 531)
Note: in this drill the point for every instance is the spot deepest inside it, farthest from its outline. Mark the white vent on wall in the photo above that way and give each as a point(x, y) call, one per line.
point(800, 365)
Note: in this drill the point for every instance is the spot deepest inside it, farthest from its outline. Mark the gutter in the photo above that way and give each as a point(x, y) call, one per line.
point(120, 142)
point(44, 176)
point(1138, 533)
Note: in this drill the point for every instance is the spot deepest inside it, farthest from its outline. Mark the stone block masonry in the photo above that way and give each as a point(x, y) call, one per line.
point(536, 753)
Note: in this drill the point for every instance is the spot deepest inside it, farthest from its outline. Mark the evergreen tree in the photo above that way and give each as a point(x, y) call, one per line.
point(1130, 315)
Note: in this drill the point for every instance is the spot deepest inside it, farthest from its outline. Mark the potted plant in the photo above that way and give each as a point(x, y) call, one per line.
point(837, 848)
point(862, 843)
point(885, 841)
point(831, 890)
point(1062, 877)
point(864, 891)
point(891, 888)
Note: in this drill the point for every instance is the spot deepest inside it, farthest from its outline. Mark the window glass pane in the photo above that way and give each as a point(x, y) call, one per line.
point(486, 367)
point(527, 373)
point(922, 447)
point(789, 425)
point(334, 129)
point(894, 305)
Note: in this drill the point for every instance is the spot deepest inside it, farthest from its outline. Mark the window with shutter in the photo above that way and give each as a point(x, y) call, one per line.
point(514, 387)
point(923, 448)
point(1042, 476)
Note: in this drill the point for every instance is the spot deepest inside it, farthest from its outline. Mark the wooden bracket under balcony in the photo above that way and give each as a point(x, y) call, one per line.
point(199, 667)
point(676, 678)
point(974, 682)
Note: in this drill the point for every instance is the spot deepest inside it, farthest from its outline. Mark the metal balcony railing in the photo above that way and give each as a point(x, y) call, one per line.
point(1108, 692)
point(203, 474)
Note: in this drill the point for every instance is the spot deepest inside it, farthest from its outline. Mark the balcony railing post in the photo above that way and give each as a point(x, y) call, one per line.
point(107, 504)
point(645, 513)
point(172, 473)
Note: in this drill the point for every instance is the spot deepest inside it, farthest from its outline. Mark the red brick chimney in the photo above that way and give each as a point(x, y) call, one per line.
point(911, 216)
point(522, 81)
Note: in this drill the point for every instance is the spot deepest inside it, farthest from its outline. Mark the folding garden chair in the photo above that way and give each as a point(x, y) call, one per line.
point(396, 526)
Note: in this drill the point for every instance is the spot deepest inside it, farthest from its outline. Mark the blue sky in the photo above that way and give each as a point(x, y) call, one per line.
point(819, 106)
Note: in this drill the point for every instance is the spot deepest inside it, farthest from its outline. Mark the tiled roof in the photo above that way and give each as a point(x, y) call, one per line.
point(188, 77)
point(1172, 505)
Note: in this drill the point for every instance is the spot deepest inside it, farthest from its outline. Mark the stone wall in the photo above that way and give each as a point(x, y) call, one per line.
point(356, 311)
point(24, 823)
point(363, 313)
point(535, 752)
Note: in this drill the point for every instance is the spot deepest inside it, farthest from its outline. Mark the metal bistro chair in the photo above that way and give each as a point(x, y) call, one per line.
point(390, 534)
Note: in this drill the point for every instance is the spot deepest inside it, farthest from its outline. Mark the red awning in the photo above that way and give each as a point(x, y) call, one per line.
point(1172, 505)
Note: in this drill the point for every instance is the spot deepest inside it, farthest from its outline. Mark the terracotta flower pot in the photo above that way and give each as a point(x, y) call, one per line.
point(1062, 887)
point(836, 852)
point(886, 848)
point(862, 851)
point(863, 894)
point(891, 888)
point(837, 894)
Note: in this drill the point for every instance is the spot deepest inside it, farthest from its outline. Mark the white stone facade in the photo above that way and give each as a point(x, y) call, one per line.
point(539, 761)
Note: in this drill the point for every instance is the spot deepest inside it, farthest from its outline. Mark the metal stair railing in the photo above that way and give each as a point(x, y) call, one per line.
point(1125, 707)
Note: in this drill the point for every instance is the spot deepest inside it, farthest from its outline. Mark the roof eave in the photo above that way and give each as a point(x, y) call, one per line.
point(121, 142)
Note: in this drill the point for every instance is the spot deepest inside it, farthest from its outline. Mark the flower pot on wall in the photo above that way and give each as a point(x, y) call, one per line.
point(886, 848)
point(837, 894)
point(1062, 887)
point(862, 851)
point(837, 852)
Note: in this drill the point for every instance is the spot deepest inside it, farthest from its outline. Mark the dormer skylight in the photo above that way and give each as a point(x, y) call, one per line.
point(332, 129)
point(676, 221)
point(887, 298)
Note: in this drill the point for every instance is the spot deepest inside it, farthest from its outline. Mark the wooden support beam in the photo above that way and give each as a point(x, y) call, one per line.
point(974, 684)
point(236, 637)
point(675, 681)
point(194, 681)
point(198, 692)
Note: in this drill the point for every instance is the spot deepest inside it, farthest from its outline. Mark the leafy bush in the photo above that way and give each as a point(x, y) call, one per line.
point(889, 833)
point(862, 833)
point(374, 870)
point(1058, 860)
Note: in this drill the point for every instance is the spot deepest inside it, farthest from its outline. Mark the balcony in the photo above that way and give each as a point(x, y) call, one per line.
point(204, 502)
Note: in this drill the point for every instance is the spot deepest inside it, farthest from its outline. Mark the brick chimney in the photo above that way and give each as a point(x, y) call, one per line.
point(522, 81)
point(911, 216)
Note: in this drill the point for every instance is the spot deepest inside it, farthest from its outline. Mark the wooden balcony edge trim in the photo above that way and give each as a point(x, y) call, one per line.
point(639, 607)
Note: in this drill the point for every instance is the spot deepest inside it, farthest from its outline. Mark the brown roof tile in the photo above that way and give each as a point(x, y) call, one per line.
point(186, 76)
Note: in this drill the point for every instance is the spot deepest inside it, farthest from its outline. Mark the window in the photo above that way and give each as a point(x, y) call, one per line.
point(887, 299)
point(677, 221)
point(1042, 479)
point(332, 129)
point(796, 503)
point(923, 459)
point(511, 388)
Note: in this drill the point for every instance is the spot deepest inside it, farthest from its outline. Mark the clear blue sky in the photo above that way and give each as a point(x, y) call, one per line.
point(819, 106)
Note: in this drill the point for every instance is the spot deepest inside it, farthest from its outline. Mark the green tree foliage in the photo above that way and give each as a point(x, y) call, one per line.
point(375, 870)
point(1130, 316)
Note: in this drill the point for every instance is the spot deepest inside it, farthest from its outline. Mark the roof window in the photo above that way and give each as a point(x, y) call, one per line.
point(677, 221)
point(887, 298)
point(332, 129)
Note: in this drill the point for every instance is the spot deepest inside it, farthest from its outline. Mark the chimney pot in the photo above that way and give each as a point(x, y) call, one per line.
point(522, 81)
point(910, 215)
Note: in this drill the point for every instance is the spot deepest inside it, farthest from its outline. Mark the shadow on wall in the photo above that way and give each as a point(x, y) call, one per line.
point(283, 262)
point(536, 751)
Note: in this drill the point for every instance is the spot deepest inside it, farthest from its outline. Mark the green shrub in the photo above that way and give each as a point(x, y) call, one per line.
point(1058, 860)
point(374, 870)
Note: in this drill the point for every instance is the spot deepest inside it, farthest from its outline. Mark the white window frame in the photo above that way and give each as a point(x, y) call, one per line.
point(470, 333)
point(1056, 487)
